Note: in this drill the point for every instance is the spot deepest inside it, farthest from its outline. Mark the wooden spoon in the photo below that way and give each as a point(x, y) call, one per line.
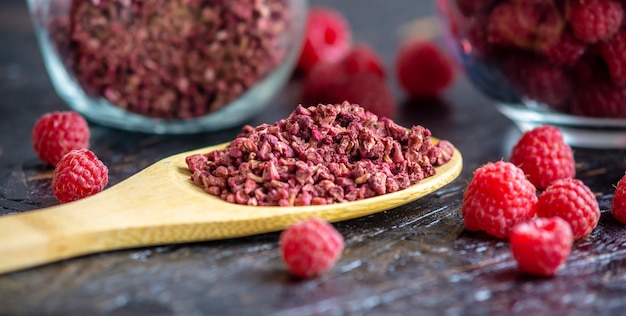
point(160, 205)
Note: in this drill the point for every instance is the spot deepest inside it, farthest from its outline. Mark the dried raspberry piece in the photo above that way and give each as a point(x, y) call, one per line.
point(614, 53)
point(310, 248)
point(498, 197)
point(618, 208)
point(595, 20)
point(423, 69)
point(328, 37)
point(541, 247)
point(363, 58)
point(567, 51)
point(544, 156)
point(57, 133)
point(79, 174)
point(574, 202)
point(599, 99)
point(532, 24)
point(367, 90)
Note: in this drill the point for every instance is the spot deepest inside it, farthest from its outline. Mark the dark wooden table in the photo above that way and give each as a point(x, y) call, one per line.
point(416, 259)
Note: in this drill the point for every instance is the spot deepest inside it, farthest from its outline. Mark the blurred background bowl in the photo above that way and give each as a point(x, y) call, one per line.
point(170, 67)
point(542, 63)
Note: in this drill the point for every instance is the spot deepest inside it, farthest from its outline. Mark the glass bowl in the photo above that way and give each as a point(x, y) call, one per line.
point(540, 64)
point(168, 66)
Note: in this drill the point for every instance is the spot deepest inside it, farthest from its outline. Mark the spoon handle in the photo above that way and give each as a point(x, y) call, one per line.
point(37, 237)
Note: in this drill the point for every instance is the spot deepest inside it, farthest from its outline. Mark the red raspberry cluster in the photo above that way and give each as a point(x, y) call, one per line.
point(501, 200)
point(335, 69)
point(61, 139)
point(567, 55)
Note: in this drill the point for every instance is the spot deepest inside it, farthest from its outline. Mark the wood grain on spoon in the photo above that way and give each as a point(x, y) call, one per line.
point(160, 205)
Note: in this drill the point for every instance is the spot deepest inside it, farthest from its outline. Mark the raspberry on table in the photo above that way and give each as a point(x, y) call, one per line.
point(367, 90)
point(57, 133)
point(574, 202)
point(362, 58)
point(423, 69)
point(79, 174)
point(320, 82)
point(328, 37)
point(544, 156)
point(498, 197)
point(595, 20)
point(324, 78)
point(541, 246)
point(618, 208)
point(310, 248)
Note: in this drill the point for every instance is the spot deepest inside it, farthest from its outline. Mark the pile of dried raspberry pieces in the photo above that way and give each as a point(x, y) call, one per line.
point(502, 200)
point(567, 55)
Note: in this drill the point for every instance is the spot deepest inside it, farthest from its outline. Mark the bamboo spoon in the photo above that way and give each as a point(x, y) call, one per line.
point(160, 205)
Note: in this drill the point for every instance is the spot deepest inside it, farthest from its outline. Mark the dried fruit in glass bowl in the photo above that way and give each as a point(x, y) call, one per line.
point(168, 66)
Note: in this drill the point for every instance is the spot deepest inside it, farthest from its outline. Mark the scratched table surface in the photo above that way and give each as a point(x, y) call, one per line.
point(415, 259)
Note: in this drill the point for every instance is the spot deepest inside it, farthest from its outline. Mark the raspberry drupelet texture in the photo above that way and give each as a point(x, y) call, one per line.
point(544, 156)
point(541, 247)
point(310, 248)
point(614, 53)
point(618, 208)
point(595, 20)
point(423, 69)
point(57, 133)
point(574, 202)
point(328, 37)
point(79, 174)
point(498, 197)
point(530, 24)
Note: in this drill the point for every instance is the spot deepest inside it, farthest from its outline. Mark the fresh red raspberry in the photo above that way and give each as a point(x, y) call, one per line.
point(574, 202)
point(599, 99)
point(363, 58)
point(539, 80)
point(367, 90)
point(324, 78)
point(321, 81)
point(79, 174)
point(57, 133)
point(544, 156)
point(423, 69)
point(618, 208)
point(328, 37)
point(310, 248)
point(541, 247)
point(595, 20)
point(614, 53)
point(529, 24)
point(498, 197)
point(567, 51)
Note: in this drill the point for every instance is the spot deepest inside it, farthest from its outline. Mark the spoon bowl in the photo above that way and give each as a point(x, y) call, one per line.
point(161, 205)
